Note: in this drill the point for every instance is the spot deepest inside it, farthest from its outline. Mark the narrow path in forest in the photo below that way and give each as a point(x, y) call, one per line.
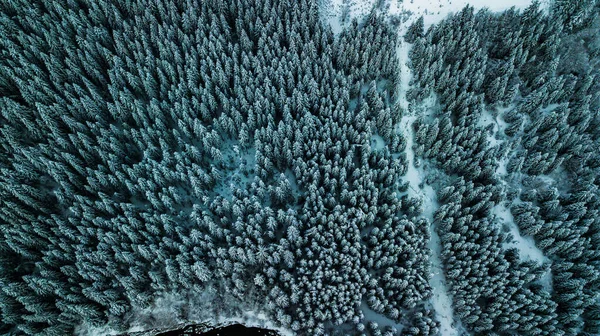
point(441, 300)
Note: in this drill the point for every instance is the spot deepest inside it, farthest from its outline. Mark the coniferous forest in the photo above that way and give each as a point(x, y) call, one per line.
point(241, 151)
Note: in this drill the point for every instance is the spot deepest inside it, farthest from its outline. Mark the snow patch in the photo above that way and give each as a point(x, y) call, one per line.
point(413, 176)
point(403, 52)
point(546, 281)
point(405, 126)
point(528, 251)
point(338, 13)
point(85, 330)
point(502, 125)
point(441, 300)
point(175, 309)
point(526, 245)
point(485, 119)
point(501, 170)
point(381, 320)
point(377, 142)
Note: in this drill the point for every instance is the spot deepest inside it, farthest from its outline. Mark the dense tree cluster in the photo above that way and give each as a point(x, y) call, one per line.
point(492, 289)
point(234, 148)
point(187, 146)
point(537, 76)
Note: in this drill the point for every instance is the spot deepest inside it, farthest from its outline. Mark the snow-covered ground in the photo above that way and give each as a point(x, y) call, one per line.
point(167, 307)
point(525, 245)
point(433, 11)
point(484, 121)
point(381, 320)
point(377, 142)
point(336, 11)
point(402, 52)
point(413, 176)
point(441, 301)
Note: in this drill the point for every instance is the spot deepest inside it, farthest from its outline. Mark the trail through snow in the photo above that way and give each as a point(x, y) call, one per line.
point(441, 301)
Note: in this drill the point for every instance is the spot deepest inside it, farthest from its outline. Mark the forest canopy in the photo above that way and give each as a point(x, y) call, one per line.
point(243, 152)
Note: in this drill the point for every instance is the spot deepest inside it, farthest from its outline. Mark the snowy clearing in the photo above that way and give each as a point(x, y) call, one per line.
point(412, 176)
point(525, 245)
point(377, 142)
point(340, 12)
point(403, 51)
point(163, 314)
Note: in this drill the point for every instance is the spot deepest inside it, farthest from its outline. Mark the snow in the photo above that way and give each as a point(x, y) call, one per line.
point(413, 176)
point(546, 281)
point(254, 319)
point(433, 11)
point(377, 142)
point(333, 10)
point(381, 320)
point(484, 121)
point(499, 121)
point(405, 127)
point(166, 312)
point(402, 52)
point(549, 109)
point(525, 245)
point(441, 300)
point(528, 251)
point(87, 330)
point(501, 170)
